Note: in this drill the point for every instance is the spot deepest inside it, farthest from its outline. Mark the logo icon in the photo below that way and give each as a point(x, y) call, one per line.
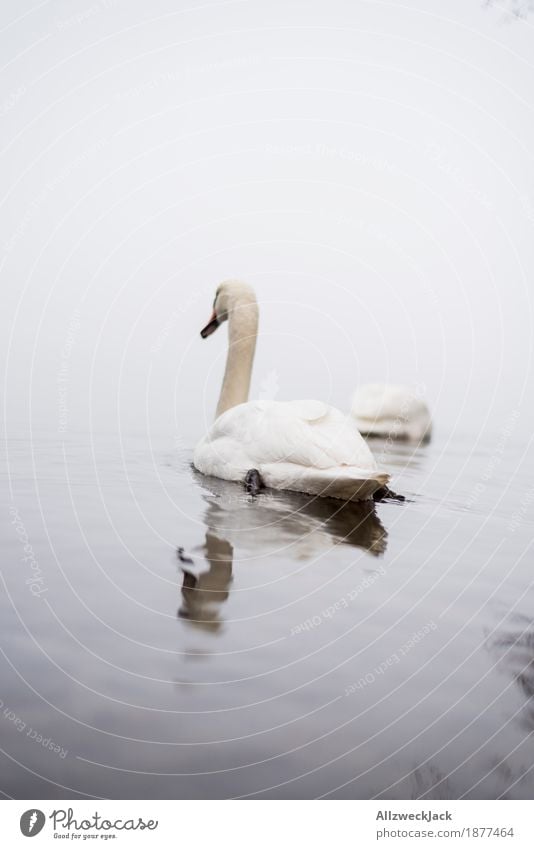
point(31, 822)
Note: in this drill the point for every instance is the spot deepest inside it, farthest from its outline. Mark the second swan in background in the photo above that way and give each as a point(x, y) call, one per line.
point(391, 410)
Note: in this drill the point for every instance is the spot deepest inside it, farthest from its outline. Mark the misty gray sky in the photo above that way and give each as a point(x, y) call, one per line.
point(366, 165)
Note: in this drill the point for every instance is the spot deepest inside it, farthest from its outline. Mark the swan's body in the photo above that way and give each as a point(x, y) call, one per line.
point(304, 446)
point(391, 411)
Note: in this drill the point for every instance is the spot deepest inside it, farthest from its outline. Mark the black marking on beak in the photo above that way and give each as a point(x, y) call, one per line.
point(210, 327)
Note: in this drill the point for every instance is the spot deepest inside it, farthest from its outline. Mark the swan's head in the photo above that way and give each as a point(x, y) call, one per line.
point(229, 296)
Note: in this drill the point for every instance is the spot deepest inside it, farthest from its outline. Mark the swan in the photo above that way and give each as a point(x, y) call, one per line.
point(382, 409)
point(303, 446)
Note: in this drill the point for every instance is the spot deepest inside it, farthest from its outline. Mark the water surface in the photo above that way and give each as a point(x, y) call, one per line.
point(167, 635)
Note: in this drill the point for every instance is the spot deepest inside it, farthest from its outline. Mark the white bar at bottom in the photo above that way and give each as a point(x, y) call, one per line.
point(268, 824)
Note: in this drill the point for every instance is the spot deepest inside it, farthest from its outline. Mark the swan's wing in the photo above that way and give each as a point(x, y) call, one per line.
point(305, 446)
point(306, 433)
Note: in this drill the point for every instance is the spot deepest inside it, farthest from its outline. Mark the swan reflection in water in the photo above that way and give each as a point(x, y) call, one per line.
point(293, 525)
point(203, 594)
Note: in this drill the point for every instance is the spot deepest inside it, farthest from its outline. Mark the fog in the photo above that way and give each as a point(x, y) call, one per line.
point(367, 166)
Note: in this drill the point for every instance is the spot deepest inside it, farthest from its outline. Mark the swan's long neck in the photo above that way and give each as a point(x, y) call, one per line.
point(242, 332)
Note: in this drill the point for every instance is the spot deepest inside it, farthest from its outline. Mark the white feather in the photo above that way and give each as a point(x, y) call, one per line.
point(304, 446)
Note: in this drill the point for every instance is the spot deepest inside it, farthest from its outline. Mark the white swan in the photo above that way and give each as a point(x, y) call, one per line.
point(305, 446)
point(381, 409)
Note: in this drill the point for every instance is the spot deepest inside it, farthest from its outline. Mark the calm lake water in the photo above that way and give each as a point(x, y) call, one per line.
point(310, 649)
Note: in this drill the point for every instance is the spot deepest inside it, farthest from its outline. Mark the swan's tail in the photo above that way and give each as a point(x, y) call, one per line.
point(345, 482)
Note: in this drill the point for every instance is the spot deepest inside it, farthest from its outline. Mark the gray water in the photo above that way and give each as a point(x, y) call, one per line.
point(310, 649)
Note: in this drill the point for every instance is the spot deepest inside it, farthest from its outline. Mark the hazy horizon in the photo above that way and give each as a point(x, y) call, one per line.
point(366, 167)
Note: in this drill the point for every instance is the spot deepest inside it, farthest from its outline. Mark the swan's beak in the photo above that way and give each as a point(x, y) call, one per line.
point(211, 326)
